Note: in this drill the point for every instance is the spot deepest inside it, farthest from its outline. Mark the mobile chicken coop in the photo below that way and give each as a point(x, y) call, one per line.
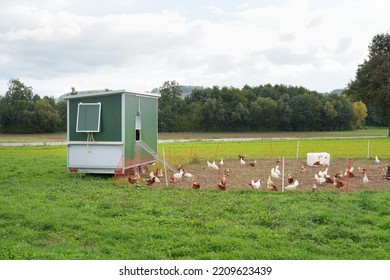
point(112, 131)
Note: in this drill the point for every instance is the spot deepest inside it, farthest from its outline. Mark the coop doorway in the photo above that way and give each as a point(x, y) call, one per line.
point(138, 128)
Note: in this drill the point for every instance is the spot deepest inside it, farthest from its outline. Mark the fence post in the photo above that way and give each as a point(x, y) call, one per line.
point(348, 175)
point(165, 168)
point(216, 150)
point(283, 175)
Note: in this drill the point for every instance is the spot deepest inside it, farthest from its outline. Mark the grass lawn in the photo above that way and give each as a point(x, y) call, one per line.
point(46, 213)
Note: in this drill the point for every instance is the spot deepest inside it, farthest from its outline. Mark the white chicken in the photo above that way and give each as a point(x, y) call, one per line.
point(242, 162)
point(156, 179)
point(365, 179)
point(214, 166)
point(323, 174)
point(320, 180)
point(221, 162)
point(256, 185)
point(277, 170)
point(292, 186)
point(178, 175)
point(274, 174)
point(187, 174)
point(377, 160)
point(269, 181)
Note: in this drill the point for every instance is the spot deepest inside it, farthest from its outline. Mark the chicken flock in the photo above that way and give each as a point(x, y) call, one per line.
point(322, 176)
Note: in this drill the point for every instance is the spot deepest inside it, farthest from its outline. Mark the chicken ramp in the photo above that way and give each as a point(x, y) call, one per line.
point(154, 154)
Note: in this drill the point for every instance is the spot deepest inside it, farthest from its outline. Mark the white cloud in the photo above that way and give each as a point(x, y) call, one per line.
point(54, 45)
point(317, 21)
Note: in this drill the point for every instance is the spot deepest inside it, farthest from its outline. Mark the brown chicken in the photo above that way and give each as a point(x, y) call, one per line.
point(272, 187)
point(252, 163)
point(362, 169)
point(328, 180)
point(159, 173)
point(339, 175)
point(383, 172)
point(290, 179)
point(172, 179)
point(228, 171)
point(222, 184)
point(195, 185)
point(150, 181)
point(134, 179)
point(338, 184)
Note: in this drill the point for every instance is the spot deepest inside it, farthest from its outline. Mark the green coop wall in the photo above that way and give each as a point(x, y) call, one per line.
point(110, 119)
point(148, 112)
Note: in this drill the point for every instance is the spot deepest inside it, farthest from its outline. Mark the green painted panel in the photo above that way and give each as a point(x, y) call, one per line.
point(148, 110)
point(110, 122)
point(131, 107)
point(149, 130)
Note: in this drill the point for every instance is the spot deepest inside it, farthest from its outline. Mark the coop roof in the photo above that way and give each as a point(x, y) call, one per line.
point(94, 93)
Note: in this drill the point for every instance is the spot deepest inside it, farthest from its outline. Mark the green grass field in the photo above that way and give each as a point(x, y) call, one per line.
point(46, 213)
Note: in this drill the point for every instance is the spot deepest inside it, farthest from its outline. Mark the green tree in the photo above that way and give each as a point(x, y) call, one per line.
point(209, 113)
point(264, 114)
point(46, 117)
point(61, 108)
point(22, 111)
point(240, 118)
point(306, 112)
point(16, 108)
point(372, 81)
point(284, 113)
point(169, 106)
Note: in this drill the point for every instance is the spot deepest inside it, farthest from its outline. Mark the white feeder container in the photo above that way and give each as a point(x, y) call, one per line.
point(323, 158)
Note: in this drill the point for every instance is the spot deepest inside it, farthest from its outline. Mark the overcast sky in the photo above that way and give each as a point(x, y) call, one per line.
point(53, 45)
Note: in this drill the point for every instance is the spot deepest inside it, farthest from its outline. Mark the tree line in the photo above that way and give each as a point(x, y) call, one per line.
point(22, 111)
point(259, 108)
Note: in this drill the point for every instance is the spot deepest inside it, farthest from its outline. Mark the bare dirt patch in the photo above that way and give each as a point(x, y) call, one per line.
point(241, 175)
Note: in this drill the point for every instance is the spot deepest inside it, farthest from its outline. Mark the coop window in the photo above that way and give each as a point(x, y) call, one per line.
point(88, 117)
